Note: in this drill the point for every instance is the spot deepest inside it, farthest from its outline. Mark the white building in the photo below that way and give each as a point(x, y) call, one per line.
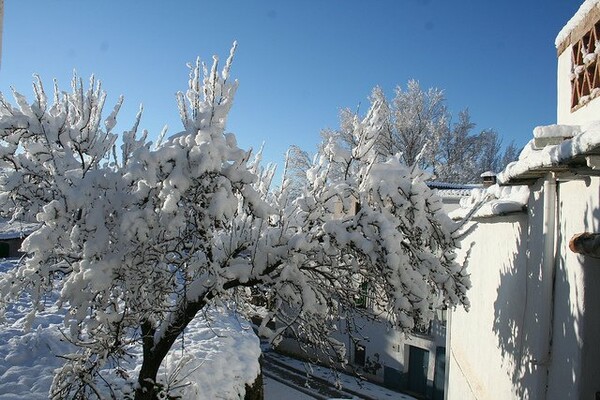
point(533, 327)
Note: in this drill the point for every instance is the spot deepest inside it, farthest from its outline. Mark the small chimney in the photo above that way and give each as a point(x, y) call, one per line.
point(488, 178)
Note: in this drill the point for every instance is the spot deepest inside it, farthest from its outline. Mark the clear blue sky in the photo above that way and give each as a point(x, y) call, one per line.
point(298, 62)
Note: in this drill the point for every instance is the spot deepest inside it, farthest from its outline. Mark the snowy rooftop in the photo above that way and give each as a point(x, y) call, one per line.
point(452, 190)
point(586, 8)
point(448, 185)
point(16, 229)
point(577, 150)
point(557, 148)
point(454, 193)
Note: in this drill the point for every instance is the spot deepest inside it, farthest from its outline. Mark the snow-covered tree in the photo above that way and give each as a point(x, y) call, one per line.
point(511, 153)
point(138, 242)
point(413, 122)
point(375, 222)
point(418, 119)
point(298, 161)
point(420, 130)
point(458, 151)
point(491, 154)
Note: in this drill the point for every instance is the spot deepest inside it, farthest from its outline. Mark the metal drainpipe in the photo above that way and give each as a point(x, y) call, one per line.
point(547, 283)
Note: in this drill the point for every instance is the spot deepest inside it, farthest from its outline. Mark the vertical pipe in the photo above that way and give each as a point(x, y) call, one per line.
point(542, 358)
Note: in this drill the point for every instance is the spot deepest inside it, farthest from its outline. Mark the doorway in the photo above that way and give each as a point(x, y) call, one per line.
point(418, 361)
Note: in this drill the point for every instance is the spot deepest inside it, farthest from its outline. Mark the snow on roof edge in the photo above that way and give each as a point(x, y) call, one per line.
point(556, 130)
point(453, 193)
point(492, 201)
point(501, 200)
point(456, 191)
point(533, 158)
point(450, 185)
point(575, 21)
point(493, 208)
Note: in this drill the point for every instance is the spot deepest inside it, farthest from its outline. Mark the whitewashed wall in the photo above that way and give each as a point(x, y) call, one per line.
point(574, 370)
point(479, 367)
point(499, 349)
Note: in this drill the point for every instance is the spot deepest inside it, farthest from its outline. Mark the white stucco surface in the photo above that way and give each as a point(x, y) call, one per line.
point(574, 371)
point(479, 366)
point(503, 348)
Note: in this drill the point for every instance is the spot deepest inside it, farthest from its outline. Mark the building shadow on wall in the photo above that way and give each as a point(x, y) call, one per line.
point(591, 328)
point(517, 312)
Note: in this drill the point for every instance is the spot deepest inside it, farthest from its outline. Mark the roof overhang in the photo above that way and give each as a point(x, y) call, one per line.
point(583, 20)
point(579, 165)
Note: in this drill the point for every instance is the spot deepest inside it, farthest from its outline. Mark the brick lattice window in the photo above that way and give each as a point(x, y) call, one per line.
point(585, 78)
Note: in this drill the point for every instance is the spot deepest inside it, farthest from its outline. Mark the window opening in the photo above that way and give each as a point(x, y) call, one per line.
point(585, 73)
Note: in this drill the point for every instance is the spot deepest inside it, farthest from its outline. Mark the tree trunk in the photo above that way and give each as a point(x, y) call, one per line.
point(256, 390)
point(154, 353)
point(152, 358)
point(147, 388)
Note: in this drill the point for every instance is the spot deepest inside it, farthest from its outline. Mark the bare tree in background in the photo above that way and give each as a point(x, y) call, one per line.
point(418, 118)
point(455, 158)
point(418, 127)
point(297, 163)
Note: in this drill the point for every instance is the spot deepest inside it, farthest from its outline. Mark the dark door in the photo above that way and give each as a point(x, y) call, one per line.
point(439, 374)
point(4, 250)
point(417, 370)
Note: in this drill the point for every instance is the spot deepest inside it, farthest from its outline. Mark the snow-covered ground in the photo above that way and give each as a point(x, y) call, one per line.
point(221, 355)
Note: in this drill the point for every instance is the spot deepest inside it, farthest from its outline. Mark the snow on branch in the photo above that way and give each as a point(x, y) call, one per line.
point(135, 248)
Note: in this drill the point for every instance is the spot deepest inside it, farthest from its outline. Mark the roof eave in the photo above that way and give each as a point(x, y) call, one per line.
point(579, 165)
point(581, 22)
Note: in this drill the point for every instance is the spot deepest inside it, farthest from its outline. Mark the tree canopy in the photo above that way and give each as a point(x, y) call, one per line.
point(137, 242)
